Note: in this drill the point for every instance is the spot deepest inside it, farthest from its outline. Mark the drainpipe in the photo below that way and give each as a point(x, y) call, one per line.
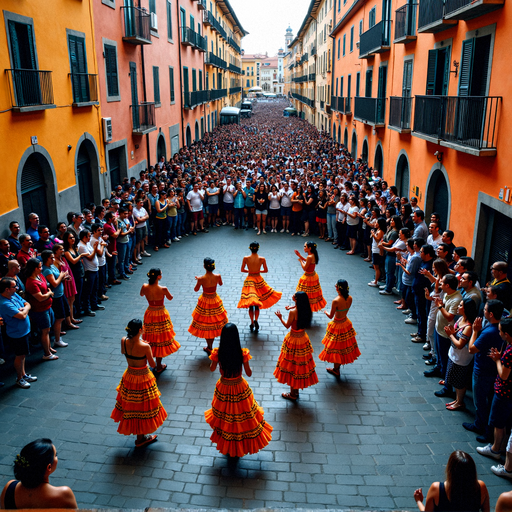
point(333, 60)
point(144, 94)
point(181, 75)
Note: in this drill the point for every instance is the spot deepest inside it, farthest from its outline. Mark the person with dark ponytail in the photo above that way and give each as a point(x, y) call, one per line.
point(309, 282)
point(138, 407)
point(235, 417)
point(295, 365)
point(209, 316)
point(31, 489)
point(256, 293)
point(340, 338)
point(158, 329)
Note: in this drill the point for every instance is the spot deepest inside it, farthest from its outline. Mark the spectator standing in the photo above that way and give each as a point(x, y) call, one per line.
point(33, 221)
point(90, 262)
point(420, 228)
point(101, 252)
point(26, 252)
point(13, 237)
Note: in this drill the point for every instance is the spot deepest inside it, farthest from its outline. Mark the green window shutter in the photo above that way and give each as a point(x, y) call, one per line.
point(171, 83)
point(466, 67)
point(14, 45)
point(341, 86)
point(200, 80)
point(407, 79)
point(78, 69)
point(111, 70)
point(156, 84)
point(349, 85)
point(194, 80)
point(383, 73)
point(368, 89)
point(482, 55)
point(431, 72)
point(169, 21)
point(152, 6)
point(446, 71)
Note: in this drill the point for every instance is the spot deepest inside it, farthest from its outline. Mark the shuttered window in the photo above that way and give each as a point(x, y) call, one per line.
point(368, 88)
point(438, 72)
point(358, 83)
point(371, 18)
point(78, 63)
point(156, 84)
point(171, 83)
point(111, 70)
point(169, 20)
point(474, 66)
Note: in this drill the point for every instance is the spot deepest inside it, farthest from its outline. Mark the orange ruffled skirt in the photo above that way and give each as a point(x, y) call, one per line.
point(295, 365)
point(237, 419)
point(158, 331)
point(256, 292)
point(310, 284)
point(138, 408)
point(209, 317)
point(340, 343)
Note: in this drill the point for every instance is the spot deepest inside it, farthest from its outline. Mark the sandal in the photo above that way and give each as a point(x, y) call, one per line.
point(147, 440)
point(454, 407)
point(332, 371)
point(156, 249)
point(207, 350)
point(158, 372)
point(289, 396)
point(77, 321)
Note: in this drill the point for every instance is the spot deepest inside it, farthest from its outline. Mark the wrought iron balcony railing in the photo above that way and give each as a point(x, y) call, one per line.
point(370, 111)
point(201, 5)
point(217, 94)
point(235, 90)
point(375, 40)
point(211, 58)
point(137, 28)
point(143, 118)
point(431, 17)
point(85, 89)
point(405, 23)
point(400, 113)
point(30, 89)
point(234, 44)
point(194, 98)
point(234, 68)
point(468, 9)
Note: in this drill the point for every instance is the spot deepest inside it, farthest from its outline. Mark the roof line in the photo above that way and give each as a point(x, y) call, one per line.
point(235, 19)
point(304, 23)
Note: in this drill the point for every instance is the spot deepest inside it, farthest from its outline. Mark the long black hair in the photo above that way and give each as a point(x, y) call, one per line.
point(463, 482)
point(230, 351)
point(304, 313)
point(312, 246)
point(31, 463)
point(342, 287)
point(133, 327)
point(153, 275)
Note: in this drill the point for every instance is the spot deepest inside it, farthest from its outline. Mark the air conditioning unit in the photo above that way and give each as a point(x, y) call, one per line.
point(357, 44)
point(107, 129)
point(154, 21)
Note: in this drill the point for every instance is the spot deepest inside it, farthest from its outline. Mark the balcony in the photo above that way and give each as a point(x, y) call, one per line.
point(468, 124)
point(217, 94)
point(210, 20)
point(234, 44)
point(30, 89)
point(400, 114)
point(194, 98)
point(235, 90)
point(341, 104)
point(85, 89)
point(322, 105)
point(371, 111)
point(313, 51)
point(235, 69)
point(304, 58)
point(312, 77)
point(136, 25)
point(301, 79)
point(304, 99)
point(207, 18)
point(405, 24)
point(201, 5)
point(328, 109)
point(375, 40)
point(212, 59)
point(143, 117)
point(431, 17)
point(468, 9)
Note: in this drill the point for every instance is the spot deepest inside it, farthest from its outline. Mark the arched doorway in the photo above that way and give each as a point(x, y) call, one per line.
point(378, 162)
point(84, 175)
point(345, 138)
point(189, 136)
point(35, 188)
point(339, 133)
point(354, 145)
point(334, 131)
point(160, 148)
point(402, 176)
point(196, 132)
point(438, 196)
point(202, 127)
point(364, 153)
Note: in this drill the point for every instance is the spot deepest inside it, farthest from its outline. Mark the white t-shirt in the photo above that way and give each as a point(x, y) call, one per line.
point(89, 265)
point(353, 221)
point(228, 193)
point(286, 197)
point(196, 200)
point(341, 211)
point(274, 201)
point(139, 213)
point(102, 260)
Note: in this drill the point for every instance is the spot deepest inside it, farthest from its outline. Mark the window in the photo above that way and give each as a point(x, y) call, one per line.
point(192, 23)
point(341, 86)
point(171, 84)
point(351, 38)
point(183, 21)
point(371, 18)
point(339, 45)
point(169, 21)
point(78, 66)
point(194, 80)
point(474, 66)
point(383, 73)
point(111, 74)
point(438, 71)
point(349, 86)
point(368, 87)
point(361, 24)
point(336, 87)
point(344, 43)
point(358, 82)
point(152, 6)
point(156, 85)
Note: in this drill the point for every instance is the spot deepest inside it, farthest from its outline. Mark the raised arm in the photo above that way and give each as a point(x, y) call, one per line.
point(244, 266)
point(263, 262)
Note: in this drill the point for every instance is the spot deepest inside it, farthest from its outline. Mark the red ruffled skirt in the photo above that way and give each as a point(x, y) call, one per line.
point(138, 408)
point(310, 284)
point(256, 292)
point(158, 331)
point(209, 317)
point(340, 343)
point(237, 419)
point(295, 365)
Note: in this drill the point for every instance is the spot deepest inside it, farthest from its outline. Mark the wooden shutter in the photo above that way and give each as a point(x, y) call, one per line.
point(111, 70)
point(341, 86)
point(169, 21)
point(200, 80)
point(171, 83)
point(383, 73)
point(152, 6)
point(349, 85)
point(407, 79)
point(466, 67)
point(446, 71)
point(358, 82)
point(78, 69)
point(368, 89)
point(156, 84)
point(431, 72)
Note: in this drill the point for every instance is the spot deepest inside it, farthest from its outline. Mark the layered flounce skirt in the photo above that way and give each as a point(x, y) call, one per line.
point(237, 419)
point(340, 343)
point(158, 331)
point(138, 408)
point(295, 365)
point(256, 292)
point(310, 284)
point(208, 317)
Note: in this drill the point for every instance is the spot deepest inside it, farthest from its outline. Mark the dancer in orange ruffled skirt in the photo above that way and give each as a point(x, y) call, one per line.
point(158, 328)
point(209, 316)
point(309, 282)
point(138, 408)
point(340, 339)
point(235, 417)
point(256, 293)
point(295, 365)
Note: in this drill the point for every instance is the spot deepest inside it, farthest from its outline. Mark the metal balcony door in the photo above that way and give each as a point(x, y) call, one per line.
point(406, 94)
point(129, 18)
point(135, 96)
point(386, 17)
point(79, 76)
point(381, 94)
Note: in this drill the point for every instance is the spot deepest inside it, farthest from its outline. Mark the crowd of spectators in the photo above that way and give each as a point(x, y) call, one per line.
point(274, 175)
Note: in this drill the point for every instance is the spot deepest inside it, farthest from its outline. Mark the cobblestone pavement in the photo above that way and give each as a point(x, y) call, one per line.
point(366, 441)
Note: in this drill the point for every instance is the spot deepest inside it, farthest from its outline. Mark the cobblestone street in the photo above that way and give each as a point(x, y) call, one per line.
point(366, 441)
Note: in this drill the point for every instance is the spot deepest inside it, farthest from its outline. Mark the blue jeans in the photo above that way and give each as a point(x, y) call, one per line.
point(422, 308)
point(122, 254)
point(483, 392)
point(172, 222)
point(111, 267)
point(390, 271)
point(442, 349)
point(182, 217)
point(90, 292)
point(102, 280)
point(239, 217)
point(331, 226)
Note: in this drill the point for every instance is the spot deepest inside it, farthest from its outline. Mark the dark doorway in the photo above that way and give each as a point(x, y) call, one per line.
point(345, 138)
point(196, 132)
point(84, 175)
point(364, 154)
point(189, 136)
point(34, 190)
point(160, 148)
point(378, 163)
point(114, 164)
point(438, 197)
point(354, 145)
point(402, 176)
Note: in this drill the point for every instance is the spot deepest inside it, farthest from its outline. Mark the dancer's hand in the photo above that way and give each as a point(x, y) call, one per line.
point(297, 253)
point(278, 314)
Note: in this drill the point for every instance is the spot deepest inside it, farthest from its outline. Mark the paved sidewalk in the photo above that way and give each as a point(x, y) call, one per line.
point(366, 441)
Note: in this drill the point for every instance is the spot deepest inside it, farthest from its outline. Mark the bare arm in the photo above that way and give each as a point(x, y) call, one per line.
point(291, 317)
point(219, 280)
point(247, 369)
point(331, 314)
point(263, 262)
point(198, 283)
point(167, 293)
point(149, 355)
point(143, 290)
point(244, 266)
point(477, 327)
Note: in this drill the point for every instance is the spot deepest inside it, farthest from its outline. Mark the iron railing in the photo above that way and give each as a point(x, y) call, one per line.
point(313, 51)
point(303, 99)
point(322, 105)
point(312, 77)
point(143, 117)
point(376, 39)
point(234, 44)
point(468, 121)
point(201, 5)
point(191, 38)
point(430, 11)
point(30, 87)
point(235, 69)
point(400, 112)
point(304, 58)
point(211, 58)
point(209, 19)
point(216, 94)
point(370, 110)
point(137, 27)
point(194, 98)
point(405, 21)
point(235, 90)
point(85, 87)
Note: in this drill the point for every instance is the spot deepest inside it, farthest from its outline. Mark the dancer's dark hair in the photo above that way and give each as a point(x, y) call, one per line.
point(254, 247)
point(230, 351)
point(304, 313)
point(312, 246)
point(31, 463)
point(153, 275)
point(209, 264)
point(133, 327)
point(342, 287)
point(462, 481)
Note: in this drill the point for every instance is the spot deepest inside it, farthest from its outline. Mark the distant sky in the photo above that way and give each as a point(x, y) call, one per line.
point(267, 21)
